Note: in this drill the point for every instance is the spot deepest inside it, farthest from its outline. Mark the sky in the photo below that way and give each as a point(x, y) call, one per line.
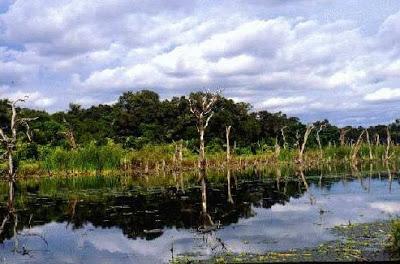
point(317, 59)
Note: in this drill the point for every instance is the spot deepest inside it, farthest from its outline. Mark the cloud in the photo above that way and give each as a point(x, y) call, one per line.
point(389, 32)
point(86, 101)
point(387, 207)
point(275, 102)
point(383, 94)
point(34, 98)
point(278, 55)
point(44, 102)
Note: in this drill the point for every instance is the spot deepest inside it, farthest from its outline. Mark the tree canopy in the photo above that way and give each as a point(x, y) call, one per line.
point(141, 118)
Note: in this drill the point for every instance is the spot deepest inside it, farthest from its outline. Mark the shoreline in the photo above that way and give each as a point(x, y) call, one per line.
point(364, 242)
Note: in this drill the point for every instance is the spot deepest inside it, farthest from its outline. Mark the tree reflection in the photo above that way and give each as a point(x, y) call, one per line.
point(145, 213)
point(228, 181)
point(9, 226)
point(389, 176)
point(206, 223)
point(300, 173)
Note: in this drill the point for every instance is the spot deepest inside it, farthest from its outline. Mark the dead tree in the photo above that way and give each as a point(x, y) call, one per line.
point(388, 143)
point(177, 158)
point(284, 137)
point(202, 106)
point(356, 148)
point(228, 148)
point(9, 142)
point(69, 135)
point(297, 144)
point(371, 157)
point(377, 139)
point(277, 148)
point(342, 136)
point(180, 153)
point(305, 138)
point(321, 127)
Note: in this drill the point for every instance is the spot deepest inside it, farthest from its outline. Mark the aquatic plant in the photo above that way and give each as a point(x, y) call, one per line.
point(395, 235)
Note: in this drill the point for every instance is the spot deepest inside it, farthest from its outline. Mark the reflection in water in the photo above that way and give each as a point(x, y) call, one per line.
point(9, 225)
point(205, 219)
point(136, 226)
point(303, 179)
point(228, 182)
point(389, 176)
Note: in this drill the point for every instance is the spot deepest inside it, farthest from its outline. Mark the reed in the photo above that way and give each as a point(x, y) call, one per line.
point(113, 159)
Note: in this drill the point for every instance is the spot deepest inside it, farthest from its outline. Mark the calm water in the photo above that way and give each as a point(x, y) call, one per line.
point(152, 225)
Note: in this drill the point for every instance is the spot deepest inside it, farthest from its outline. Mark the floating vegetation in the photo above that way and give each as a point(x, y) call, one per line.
point(356, 242)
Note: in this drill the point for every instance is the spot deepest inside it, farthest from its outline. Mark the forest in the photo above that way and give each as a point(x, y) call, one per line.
point(141, 119)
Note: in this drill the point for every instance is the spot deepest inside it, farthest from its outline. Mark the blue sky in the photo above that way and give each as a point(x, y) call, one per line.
point(313, 59)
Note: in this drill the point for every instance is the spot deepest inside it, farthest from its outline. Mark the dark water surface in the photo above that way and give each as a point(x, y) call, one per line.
point(107, 224)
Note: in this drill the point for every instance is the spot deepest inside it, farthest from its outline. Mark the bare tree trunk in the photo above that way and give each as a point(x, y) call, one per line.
point(228, 150)
point(284, 137)
point(377, 140)
point(70, 135)
point(277, 148)
point(342, 136)
point(319, 141)
point(11, 172)
point(202, 158)
point(356, 148)
point(174, 160)
point(297, 144)
point(388, 143)
point(180, 153)
point(10, 142)
point(305, 138)
point(202, 108)
point(371, 157)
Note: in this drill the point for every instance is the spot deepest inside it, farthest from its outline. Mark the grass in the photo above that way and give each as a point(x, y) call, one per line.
point(112, 158)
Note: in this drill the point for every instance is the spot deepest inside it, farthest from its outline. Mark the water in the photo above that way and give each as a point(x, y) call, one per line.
point(136, 224)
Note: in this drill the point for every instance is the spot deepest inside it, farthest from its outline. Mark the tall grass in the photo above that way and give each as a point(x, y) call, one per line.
point(86, 158)
point(113, 157)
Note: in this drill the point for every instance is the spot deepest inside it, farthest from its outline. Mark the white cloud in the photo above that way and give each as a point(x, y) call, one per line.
point(44, 102)
point(383, 94)
point(34, 98)
point(275, 102)
point(288, 56)
point(387, 207)
point(86, 101)
point(242, 64)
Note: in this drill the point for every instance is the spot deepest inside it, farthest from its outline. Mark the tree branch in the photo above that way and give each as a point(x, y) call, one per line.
point(208, 119)
point(24, 122)
point(3, 138)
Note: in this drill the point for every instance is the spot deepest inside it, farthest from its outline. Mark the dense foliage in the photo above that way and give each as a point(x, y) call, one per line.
point(139, 119)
